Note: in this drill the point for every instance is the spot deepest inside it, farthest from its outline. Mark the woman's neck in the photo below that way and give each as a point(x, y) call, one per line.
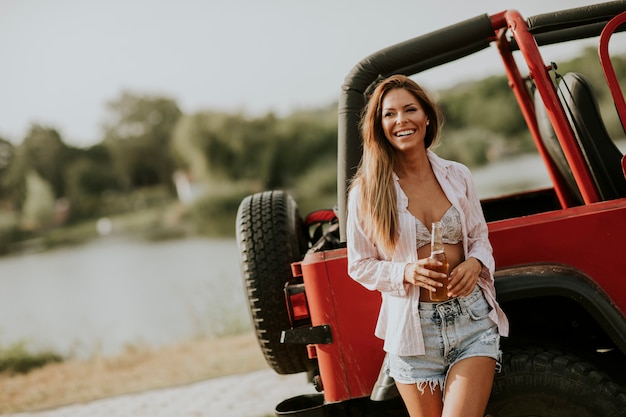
point(415, 165)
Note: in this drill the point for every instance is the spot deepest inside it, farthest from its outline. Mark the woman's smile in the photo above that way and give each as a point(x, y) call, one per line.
point(404, 133)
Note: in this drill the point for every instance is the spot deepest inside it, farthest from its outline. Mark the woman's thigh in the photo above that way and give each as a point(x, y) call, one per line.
point(425, 403)
point(468, 387)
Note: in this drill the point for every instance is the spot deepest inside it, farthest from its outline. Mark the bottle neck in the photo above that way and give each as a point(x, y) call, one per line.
point(436, 239)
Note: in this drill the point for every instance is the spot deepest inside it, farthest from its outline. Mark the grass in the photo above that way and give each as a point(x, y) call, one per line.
point(137, 369)
point(17, 359)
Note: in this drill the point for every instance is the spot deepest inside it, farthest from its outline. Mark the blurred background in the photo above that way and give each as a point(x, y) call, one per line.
point(130, 131)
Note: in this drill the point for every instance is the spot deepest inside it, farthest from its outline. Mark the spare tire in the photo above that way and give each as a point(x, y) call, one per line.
point(271, 236)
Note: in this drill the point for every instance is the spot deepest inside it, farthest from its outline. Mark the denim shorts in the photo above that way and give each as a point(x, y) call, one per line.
point(453, 330)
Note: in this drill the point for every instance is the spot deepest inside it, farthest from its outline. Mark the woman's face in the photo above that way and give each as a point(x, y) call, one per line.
point(403, 119)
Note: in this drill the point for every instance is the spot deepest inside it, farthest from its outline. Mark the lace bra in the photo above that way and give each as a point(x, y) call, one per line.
point(451, 224)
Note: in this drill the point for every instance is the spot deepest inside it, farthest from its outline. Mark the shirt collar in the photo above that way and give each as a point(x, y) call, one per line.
point(440, 166)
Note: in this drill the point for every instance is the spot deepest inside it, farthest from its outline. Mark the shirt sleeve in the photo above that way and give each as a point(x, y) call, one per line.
point(479, 246)
point(365, 263)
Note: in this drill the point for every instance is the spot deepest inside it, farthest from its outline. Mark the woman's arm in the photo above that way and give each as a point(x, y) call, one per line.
point(365, 263)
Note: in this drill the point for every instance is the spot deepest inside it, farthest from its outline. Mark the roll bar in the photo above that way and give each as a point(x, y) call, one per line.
point(437, 48)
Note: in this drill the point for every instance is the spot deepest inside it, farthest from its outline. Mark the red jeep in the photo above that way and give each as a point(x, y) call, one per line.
point(559, 276)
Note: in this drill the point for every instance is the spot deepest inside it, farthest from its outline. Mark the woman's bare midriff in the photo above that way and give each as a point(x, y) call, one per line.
point(454, 254)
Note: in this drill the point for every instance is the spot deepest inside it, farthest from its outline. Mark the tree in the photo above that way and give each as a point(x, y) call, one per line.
point(7, 152)
point(39, 205)
point(45, 152)
point(264, 150)
point(215, 146)
point(7, 157)
point(89, 177)
point(138, 136)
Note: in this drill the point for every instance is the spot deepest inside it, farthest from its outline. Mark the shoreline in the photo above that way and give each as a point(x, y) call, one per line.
point(137, 370)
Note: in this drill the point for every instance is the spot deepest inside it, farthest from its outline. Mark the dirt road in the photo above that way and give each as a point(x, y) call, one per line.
point(255, 394)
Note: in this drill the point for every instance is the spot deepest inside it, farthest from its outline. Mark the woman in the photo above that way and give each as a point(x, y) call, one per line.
point(435, 351)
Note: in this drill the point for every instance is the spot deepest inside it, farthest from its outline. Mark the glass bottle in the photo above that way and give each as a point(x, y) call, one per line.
point(437, 252)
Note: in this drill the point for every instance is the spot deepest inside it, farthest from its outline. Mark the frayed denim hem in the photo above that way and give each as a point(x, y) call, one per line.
point(431, 383)
point(499, 362)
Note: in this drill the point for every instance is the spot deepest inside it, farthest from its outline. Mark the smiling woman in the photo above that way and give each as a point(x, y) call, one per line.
point(399, 186)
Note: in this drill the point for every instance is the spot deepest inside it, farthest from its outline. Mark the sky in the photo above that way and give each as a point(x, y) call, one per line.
point(63, 60)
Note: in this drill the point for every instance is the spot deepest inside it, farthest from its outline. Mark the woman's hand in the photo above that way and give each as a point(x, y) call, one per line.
point(464, 277)
point(416, 273)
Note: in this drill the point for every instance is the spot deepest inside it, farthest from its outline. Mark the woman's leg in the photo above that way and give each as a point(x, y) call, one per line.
point(426, 404)
point(468, 387)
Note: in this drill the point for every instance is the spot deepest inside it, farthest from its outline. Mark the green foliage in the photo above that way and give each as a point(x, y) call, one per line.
point(143, 199)
point(147, 139)
point(185, 148)
point(85, 185)
point(7, 152)
point(469, 146)
point(8, 186)
point(17, 359)
point(487, 104)
point(88, 178)
point(269, 151)
point(46, 153)
point(39, 206)
point(208, 143)
point(215, 214)
point(303, 140)
point(9, 230)
point(317, 187)
point(138, 137)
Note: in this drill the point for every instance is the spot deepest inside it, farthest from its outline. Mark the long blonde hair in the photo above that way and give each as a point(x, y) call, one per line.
point(375, 171)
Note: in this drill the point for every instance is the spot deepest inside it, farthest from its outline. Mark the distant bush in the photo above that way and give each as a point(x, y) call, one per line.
point(38, 210)
point(16, 359)
point(317, 188)
point(468, 146)
point(9, 230)
point(214, 214)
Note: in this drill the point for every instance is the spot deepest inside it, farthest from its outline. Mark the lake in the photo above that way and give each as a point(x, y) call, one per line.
point(102, 296)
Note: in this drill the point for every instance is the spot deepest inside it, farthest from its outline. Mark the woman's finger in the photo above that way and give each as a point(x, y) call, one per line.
point(461, 283)
point(424, 281)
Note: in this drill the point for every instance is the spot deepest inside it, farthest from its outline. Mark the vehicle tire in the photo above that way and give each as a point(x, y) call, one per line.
point(271, 236)
point(543, 383)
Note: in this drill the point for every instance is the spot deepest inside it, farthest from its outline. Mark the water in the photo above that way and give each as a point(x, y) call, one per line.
point(507, 176)
point(102, 296)
point(519, 173)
